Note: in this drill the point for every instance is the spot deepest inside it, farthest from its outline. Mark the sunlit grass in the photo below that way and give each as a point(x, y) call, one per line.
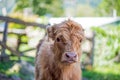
point(103, 72)
point(114, 68)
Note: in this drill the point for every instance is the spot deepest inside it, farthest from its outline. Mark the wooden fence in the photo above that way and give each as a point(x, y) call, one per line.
point(20, 33)
point(88, 50)
point(5, 32)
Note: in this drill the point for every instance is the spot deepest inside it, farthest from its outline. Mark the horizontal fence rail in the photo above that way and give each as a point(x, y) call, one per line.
point(19, 32)
point(9, 19)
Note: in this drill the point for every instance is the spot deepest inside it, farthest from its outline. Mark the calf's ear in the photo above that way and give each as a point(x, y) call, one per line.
point(51, 32)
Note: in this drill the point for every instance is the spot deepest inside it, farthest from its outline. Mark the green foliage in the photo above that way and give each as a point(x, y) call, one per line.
point(107, 45)
point(17, 26)
point(5, 66)
point(41, 7)
point(21, 4)
point(13, 68)
point(107, 6)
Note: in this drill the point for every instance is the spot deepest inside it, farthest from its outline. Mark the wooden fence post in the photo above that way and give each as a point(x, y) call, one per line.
point(93, 46)
point(18, 46)
point(4, 38)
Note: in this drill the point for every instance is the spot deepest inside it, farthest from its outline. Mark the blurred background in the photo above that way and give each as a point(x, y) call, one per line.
point(23, 24)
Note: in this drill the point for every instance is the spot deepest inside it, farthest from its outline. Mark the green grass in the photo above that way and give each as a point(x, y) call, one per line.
point(108, 72)
point(5, 67)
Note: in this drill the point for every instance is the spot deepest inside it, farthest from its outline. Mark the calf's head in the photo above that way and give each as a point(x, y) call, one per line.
point(67, 37)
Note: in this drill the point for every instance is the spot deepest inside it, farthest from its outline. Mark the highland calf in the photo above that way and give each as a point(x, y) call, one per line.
point(58, 56)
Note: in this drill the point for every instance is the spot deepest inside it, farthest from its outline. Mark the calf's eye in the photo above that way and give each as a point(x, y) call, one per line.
point(80, 40)
point(58, 39)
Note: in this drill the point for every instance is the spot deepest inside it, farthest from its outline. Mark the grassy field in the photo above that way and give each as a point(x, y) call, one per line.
point(106, 72)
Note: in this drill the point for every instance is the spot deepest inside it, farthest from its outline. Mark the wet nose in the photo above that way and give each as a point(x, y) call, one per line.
point(70, 55)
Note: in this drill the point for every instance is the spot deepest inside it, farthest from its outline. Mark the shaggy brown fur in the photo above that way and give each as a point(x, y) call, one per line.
point(59, 54)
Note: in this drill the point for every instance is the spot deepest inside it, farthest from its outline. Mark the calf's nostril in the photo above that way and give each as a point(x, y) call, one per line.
point(70, 55)
point(67, 55)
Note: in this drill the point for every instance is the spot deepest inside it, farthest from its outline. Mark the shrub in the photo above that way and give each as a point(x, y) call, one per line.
point(107, 45)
